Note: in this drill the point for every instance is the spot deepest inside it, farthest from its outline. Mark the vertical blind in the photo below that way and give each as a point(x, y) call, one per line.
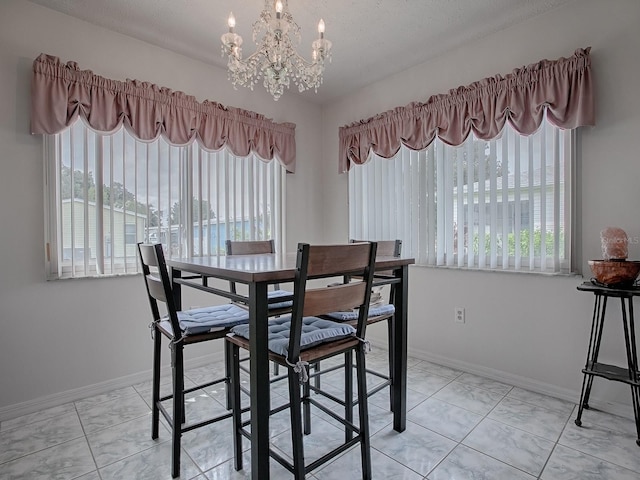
point(499, 204)
point(106, 192)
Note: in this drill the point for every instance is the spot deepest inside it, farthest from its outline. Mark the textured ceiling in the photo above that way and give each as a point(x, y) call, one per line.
point(371, 39)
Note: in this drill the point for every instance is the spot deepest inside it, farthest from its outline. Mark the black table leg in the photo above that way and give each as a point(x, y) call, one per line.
point(259, 381)
point(399, 384)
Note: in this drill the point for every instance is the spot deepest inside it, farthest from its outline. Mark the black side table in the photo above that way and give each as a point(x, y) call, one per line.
point(629, 374)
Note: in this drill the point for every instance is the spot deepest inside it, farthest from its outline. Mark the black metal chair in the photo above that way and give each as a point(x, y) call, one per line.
point(254, 247)
point(379, 311)
point(181, 328)
point(304, 338)
point(279, 302)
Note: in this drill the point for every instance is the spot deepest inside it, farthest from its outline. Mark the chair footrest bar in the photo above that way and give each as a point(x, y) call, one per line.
point(186, 427)
point(332, 454)
point(164, 413)
point(331, 397)
point(204, 385)
point(378, 374)
point(335, 416)
point(326, 370)
point(283, 461)
point(193, 389)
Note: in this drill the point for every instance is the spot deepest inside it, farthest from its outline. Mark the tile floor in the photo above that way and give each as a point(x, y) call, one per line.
point(460, 426)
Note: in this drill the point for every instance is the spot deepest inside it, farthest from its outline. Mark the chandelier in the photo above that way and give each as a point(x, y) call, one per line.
point(275, 60)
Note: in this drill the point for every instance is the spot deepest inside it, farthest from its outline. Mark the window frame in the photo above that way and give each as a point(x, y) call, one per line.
point(192, 158)
point(376, 220)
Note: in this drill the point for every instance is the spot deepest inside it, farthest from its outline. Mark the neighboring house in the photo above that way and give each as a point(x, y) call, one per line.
point(213, 234)
point(120, 231)
point(532, 192)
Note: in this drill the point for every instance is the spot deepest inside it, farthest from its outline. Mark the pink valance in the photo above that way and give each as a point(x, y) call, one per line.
point(61, 92)
point(562, 88)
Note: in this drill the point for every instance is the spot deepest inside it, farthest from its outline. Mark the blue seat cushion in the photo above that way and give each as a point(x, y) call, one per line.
point(216, 317)
point(387, 309)
point(314, 332)
point(280, 293)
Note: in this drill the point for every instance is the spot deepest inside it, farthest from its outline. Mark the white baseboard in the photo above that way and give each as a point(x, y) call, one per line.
point(57, 399)
point(566, 394)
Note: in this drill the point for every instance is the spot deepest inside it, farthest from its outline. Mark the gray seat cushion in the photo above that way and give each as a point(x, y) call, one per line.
point(314, 332)
point(280, 293)
point(216, 317)
point(387, 309)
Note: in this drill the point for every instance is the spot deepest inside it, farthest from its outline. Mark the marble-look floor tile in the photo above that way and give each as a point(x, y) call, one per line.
point(211, 445)
point(530, 418)
point(227, 471)
point(440, 400)
point(349, 465)
point(606, 420)
point(200, 406)
point(411, 361)
point(90, 402)
point(382, 399)
point(334, 383)
point(39, 435)
point(115, 443)
point(515, 447)
point(568, 464)
point(46, 414)
point(205, 373)
point(379, 418)
point(278, 422)
point(484, 383)
point(151, 464)
point(540, 400)
point(323, 438)
point(417, 448)
point(476, 400)
point(89, 476)
point(66, 461)
point(425, 382)
point(467, 464)
point(112, 412)
point(436, 369)
point(444, 418)
point(166, 388)
point(599, 441)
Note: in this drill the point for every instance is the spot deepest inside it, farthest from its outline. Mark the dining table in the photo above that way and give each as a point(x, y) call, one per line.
point(260, 271)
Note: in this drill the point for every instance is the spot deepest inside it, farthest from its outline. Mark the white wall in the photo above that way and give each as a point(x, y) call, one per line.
point(56, 337)
point(530, 329)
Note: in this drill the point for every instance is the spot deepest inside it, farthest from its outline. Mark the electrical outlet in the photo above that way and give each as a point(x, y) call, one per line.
point(459, 314)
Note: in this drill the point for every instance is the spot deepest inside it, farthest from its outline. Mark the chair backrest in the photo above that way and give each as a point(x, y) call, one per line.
point(249, 247)
point(386, 248)
point(323, 261)
point(158, 283)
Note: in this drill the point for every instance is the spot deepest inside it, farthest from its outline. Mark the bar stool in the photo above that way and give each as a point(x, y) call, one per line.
point(304, 338)
point(379, 311)
point(181, 328)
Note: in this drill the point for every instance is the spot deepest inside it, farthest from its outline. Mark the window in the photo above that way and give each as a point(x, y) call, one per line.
point(106, 192)
point(504, 204)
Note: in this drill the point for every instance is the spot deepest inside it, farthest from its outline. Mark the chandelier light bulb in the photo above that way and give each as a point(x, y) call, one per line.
point(279, 6)
point(231, 22)
point(321, 28)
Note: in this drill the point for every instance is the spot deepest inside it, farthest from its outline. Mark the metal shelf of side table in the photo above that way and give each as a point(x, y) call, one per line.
point(629, 374)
